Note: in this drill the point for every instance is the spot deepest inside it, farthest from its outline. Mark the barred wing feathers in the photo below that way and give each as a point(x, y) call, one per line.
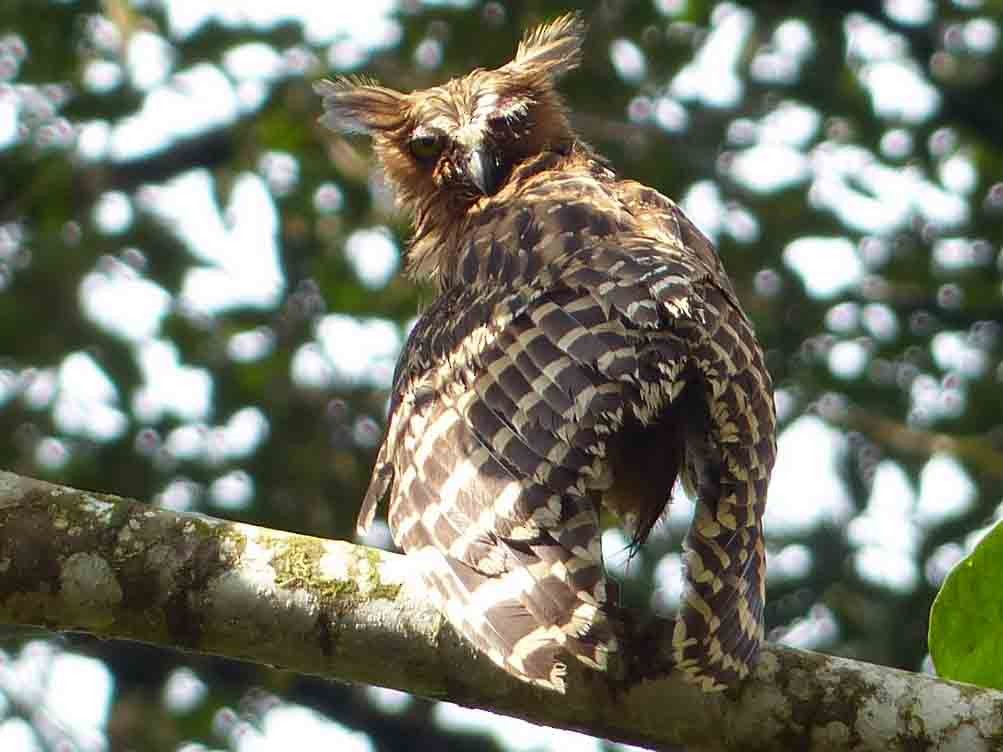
point(493, 479)
point(730, 452)
point(510, 401)
point(720, 626)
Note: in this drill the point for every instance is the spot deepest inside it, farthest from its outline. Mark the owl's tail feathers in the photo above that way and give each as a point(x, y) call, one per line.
point(526, 624)
point(719, 629)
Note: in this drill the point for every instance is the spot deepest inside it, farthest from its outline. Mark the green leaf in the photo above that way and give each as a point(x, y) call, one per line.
point(967, 617)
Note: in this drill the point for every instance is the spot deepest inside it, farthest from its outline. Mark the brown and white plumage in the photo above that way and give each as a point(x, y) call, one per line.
point(585, 348)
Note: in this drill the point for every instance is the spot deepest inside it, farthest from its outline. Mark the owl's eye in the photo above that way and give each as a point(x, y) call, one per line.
point(426, 147)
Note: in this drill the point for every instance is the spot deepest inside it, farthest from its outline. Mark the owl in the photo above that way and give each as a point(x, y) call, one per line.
point(584, 350)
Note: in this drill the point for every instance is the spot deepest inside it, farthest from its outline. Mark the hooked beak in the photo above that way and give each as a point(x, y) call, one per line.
point(482, 170)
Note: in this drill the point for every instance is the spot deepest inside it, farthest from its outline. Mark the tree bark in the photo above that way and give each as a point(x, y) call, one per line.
point(72, 560)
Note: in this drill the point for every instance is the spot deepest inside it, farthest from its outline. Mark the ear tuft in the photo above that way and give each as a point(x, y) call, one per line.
point(554, 48)
point(356, 105)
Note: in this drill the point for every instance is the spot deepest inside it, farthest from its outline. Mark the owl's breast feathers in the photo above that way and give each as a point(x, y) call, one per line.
point(586, 348)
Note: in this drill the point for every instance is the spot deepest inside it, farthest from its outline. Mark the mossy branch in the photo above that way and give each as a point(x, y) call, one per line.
point(118, 568)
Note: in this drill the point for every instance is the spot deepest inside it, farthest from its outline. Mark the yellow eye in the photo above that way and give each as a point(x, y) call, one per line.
point(426, 147)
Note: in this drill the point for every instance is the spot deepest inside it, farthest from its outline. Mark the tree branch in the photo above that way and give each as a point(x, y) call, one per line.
point(112, 567)
point(978, 452)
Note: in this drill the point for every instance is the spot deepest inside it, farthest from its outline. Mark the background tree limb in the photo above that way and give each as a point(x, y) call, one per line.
point(77, 561)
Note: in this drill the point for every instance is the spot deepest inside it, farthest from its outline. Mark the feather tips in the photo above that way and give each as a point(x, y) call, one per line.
point(357, 105)
point(554, 48)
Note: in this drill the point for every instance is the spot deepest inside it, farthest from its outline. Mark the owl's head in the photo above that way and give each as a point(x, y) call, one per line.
point(446, 147)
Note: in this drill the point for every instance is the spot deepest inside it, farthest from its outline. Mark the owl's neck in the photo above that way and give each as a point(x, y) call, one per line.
point(441, 236)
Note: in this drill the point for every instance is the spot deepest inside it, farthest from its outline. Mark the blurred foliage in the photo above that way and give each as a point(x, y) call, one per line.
point(66, 73)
